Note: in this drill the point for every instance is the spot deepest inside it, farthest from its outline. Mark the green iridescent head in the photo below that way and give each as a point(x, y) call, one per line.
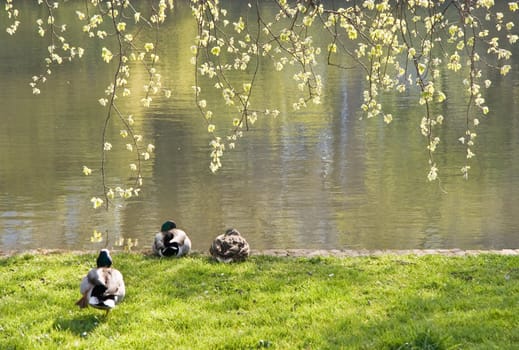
point(104, 259)
point(168, 225)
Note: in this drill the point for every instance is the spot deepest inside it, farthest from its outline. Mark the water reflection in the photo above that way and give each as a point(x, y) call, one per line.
point(319, 178)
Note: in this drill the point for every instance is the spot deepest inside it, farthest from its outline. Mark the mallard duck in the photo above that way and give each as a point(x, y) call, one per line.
point(103, 287)
point(229, 247)
point(171, 241)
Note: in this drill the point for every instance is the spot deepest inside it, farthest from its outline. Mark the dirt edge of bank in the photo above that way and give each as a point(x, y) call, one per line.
point(305, 252)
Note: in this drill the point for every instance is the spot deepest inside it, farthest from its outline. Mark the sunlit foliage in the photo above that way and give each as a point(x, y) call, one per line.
point(118, 27)
point(399, 45)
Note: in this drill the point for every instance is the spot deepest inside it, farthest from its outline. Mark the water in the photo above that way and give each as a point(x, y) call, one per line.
point(319, 178)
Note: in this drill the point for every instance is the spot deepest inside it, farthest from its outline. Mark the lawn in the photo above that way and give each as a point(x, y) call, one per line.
point(369, 302)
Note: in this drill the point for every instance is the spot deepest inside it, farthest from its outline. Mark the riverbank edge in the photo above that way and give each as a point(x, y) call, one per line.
point(309, 253)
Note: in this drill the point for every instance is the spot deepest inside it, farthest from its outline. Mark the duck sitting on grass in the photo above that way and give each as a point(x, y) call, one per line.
point(230, 247)
point(171, 241)
point(103, 287)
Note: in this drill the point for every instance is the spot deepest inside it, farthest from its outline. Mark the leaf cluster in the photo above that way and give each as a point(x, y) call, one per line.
point(404, 46)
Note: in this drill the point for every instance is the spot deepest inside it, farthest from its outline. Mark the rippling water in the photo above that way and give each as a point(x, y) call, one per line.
point(320, 178)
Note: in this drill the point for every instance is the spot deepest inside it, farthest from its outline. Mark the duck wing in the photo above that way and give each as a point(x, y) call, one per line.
point(102, 288)
point(158, 243)
point(230, 248)
point(182, 241)
point(174, 242)
point(110, 291)
point(85, 287)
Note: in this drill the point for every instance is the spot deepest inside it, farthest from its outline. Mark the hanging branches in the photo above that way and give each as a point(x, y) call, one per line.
point(225, 47)
point(403, 46)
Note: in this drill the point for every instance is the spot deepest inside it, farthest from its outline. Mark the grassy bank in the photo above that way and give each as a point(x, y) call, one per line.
point(384, 302)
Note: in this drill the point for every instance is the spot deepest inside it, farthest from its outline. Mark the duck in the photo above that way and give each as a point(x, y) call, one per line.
point(230, 247)
point(103, 287)
point(171, 241)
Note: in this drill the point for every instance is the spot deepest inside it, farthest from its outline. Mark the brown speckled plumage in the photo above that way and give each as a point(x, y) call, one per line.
point(230, 247)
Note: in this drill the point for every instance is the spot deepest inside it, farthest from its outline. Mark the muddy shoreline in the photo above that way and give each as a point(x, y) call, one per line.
point(377, 252)
point(304, 252)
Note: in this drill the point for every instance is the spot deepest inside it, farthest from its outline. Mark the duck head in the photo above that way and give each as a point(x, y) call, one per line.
point(168, 225)
point(104, 259)
point(232, 232)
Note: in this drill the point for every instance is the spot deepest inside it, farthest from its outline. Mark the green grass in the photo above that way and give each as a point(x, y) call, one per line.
point(387, 302)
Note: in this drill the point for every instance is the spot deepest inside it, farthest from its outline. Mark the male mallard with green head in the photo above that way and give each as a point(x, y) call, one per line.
point(103, 287)
point(171, 241)
point(229, 247)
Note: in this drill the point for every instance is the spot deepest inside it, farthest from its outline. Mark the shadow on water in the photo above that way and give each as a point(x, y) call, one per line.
point(79, 325)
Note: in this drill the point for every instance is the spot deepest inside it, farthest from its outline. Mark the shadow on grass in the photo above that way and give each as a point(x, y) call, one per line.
point(79, 325)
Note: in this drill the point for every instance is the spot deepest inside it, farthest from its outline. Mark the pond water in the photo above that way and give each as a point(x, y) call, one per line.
point(319, 178)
